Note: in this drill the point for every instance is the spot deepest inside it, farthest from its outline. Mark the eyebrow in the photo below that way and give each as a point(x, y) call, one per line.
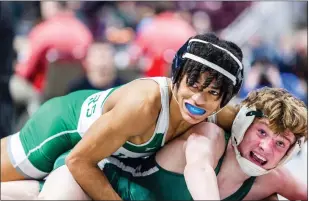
point(288, 139)
point(263, 122)
point(215, 87)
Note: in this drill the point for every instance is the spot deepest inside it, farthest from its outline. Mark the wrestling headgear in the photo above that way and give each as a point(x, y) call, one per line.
point(183, 54)
point(243, 120)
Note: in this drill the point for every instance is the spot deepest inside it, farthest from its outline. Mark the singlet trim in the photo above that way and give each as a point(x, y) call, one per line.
point(160, 116)
point(168, 171)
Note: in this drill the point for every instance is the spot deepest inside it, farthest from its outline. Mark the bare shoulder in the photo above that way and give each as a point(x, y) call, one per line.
point(270, 180)
point(264, 186)
point(135, 105)
point(138, 94)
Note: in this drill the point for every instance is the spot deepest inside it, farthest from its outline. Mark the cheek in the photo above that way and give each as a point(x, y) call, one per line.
point(248, 143)
point(279, 154)
point(185, 93)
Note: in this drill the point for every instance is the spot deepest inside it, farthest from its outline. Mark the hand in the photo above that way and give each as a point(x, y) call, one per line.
point(198, 148)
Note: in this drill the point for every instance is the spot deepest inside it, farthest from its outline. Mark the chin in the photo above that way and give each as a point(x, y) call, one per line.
point(190, 119)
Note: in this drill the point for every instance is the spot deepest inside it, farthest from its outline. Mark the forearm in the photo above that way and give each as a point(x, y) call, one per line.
point(297, 194)
point(201, 181)
point(93, 181)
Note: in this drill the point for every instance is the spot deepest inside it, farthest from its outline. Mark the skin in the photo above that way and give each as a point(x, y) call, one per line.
point(141, 105)
point(100, 65)
point(196, 155)
point(265, 143)
point(141, 99)
point(269, 144)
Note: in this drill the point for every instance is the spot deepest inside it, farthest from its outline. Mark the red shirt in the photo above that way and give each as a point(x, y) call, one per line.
point(64, 34)
point(159, 41)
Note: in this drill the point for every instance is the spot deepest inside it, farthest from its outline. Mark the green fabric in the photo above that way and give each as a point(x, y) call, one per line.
point(152, 182)
point(56, 116)
point(161, 184)
point(60, 161)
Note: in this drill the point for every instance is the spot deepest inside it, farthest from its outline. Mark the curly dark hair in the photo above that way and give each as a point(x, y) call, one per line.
point(194, 69)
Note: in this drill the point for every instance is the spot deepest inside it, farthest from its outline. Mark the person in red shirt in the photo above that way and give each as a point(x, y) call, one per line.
point(159, 39)
point(60, 34)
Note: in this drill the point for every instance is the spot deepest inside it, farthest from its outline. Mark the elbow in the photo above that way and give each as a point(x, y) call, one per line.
point(72, 162)
point(76, 163)
point(69, 161)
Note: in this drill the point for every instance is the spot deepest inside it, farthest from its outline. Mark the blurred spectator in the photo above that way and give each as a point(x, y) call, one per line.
point(90, 11)
point(6, 60)
point(100, 69)
point(301, 49)
point(286, 50)
point(60, 36)
point(201, 22)
point(159, 39)
point(282, 64)
point(264, 68)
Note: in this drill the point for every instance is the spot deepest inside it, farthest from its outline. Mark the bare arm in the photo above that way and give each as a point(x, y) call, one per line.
point(196, 153)
point(104, 137)
point(202, 155)
point(290, 187)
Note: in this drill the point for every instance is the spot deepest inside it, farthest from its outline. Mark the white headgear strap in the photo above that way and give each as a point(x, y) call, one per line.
point(243, 120)
point(221, 48)
point(212, 65)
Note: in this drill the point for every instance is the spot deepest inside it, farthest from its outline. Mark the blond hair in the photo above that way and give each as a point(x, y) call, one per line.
point(284, 111)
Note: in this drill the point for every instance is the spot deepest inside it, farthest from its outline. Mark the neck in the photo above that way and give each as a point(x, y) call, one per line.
point(230, 164)
point(176, 120)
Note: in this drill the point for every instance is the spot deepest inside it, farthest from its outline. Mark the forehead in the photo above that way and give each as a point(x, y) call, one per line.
point(264, 122)
point(203, 76)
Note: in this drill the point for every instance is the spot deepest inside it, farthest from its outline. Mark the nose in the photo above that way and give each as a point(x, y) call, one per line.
point(199, 99)
point(266, 144)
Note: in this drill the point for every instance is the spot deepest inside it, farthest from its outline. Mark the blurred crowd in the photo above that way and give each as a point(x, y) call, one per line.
point(51, 48)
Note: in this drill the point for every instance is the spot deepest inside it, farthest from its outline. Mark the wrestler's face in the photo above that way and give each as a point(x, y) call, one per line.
point(263, 147)
point(197, 104)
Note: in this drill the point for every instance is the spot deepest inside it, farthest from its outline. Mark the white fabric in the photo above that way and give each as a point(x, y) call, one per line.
point(20, 190)
point(221, 48)
point(240, 126)
point(163, 120)
point(211, 65)
point(20, 160)
point(65, 188)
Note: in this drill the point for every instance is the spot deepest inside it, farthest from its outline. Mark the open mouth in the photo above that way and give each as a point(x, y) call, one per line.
point(257, 159)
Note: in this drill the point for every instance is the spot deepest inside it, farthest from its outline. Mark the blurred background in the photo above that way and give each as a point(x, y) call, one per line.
point(52, 48)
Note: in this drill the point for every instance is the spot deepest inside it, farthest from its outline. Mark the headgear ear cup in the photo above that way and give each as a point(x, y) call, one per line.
point(178, 61)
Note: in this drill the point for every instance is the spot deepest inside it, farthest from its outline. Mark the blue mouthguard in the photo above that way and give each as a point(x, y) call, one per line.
point(195, 110)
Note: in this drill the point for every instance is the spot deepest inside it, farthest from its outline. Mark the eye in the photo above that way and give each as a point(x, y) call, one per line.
point(280, 144)
point(213, 92)
point(195, 86)
point(262, 132)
